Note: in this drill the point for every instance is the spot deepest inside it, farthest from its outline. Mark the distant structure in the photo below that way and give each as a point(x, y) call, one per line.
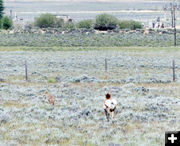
point(157, 24)
point(14, 16)
point(66, 18)
point(17, 21)
point(172, 7)
point(11, 15)
point(168, 6)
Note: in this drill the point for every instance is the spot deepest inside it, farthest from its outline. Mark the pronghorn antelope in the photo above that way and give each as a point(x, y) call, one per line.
point(50, 98)
point(109, 106)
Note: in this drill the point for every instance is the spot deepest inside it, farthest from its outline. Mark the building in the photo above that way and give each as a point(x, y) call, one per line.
point(66, 18)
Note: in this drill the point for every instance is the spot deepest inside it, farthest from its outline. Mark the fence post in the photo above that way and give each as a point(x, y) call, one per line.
point(173, 68)
point(105, 68)
point(26, 72)
point(137, 73)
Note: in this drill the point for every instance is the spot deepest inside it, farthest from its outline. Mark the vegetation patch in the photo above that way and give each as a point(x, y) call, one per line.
point(51, 80)
point(48, 20)
point(87, 24)
point(106, 22)
point(77, 39)
point(15, 104)
point(130, 24)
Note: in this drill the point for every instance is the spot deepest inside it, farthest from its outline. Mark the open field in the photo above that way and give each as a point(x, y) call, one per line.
point(78, 38)
point(139, 78)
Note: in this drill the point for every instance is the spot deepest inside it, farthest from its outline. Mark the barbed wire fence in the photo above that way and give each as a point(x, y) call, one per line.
point(116, 73)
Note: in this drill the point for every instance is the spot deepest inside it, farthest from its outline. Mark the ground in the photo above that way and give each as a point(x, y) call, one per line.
point(83, 39)
point(140, 80)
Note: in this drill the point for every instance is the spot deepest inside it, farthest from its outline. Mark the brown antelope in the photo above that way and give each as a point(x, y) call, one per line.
point(50, 98)
point(109, 106)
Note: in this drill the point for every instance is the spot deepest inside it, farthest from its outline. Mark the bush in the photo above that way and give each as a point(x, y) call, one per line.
point(29, 26)
point(69, 26)
point(6, 22)
point(85, 24)
point(137, 25)
point(106, 22)
point(59, 23)
point(129, 24)
point(51, 80)
point(45, 20)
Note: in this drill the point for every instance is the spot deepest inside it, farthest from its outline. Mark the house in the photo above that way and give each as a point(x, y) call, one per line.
point(66, 18)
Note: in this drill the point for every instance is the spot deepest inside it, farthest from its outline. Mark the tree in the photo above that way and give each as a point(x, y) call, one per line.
point(1, 8)
point(59, 23)
point(85, 24)
point(45, 20)
point(69, 26)
point(106, 22)
point(6, 22)
point(130, 24)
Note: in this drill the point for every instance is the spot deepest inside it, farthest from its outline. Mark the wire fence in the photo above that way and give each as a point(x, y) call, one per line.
point(107, 71)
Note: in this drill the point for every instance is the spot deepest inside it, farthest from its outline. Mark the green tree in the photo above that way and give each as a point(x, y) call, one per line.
point(70, 26)
point(105, 22)
point(45, 20)
point(59, 23)
point(130, 24)
point(6, 22)
point(85, 24)
point(1, 8)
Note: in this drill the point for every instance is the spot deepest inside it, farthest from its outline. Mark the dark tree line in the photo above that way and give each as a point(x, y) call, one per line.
point(1, 8)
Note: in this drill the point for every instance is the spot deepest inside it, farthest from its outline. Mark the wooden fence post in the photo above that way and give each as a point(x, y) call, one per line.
point(137, 73)
point(174, 73)
point(26, 72)
point(105, 68)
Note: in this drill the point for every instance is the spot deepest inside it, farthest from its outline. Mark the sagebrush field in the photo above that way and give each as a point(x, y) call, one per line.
point(139, 78)
point(78, 38)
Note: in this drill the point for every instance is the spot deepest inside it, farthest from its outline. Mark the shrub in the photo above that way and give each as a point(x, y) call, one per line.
point(29, 26)
point(85, 24)
point(59, 23)
point(45, 20)
point(6, 22)
point(137, 25)
point(69, 26)
point(129, 24)
point(51, 80)
point(106, 22)
point(124, 24)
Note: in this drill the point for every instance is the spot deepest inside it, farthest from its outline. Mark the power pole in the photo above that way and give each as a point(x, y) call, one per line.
point(172, 16)
point(174, 12)
point(173, 19)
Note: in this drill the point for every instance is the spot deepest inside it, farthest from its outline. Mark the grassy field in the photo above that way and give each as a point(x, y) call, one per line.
point(148, 100)
point(123, 49)
point(77, 39)
point(70, 65)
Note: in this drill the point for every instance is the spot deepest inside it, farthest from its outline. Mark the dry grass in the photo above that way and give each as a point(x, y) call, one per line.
point(33, 130)
point(16, 104)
